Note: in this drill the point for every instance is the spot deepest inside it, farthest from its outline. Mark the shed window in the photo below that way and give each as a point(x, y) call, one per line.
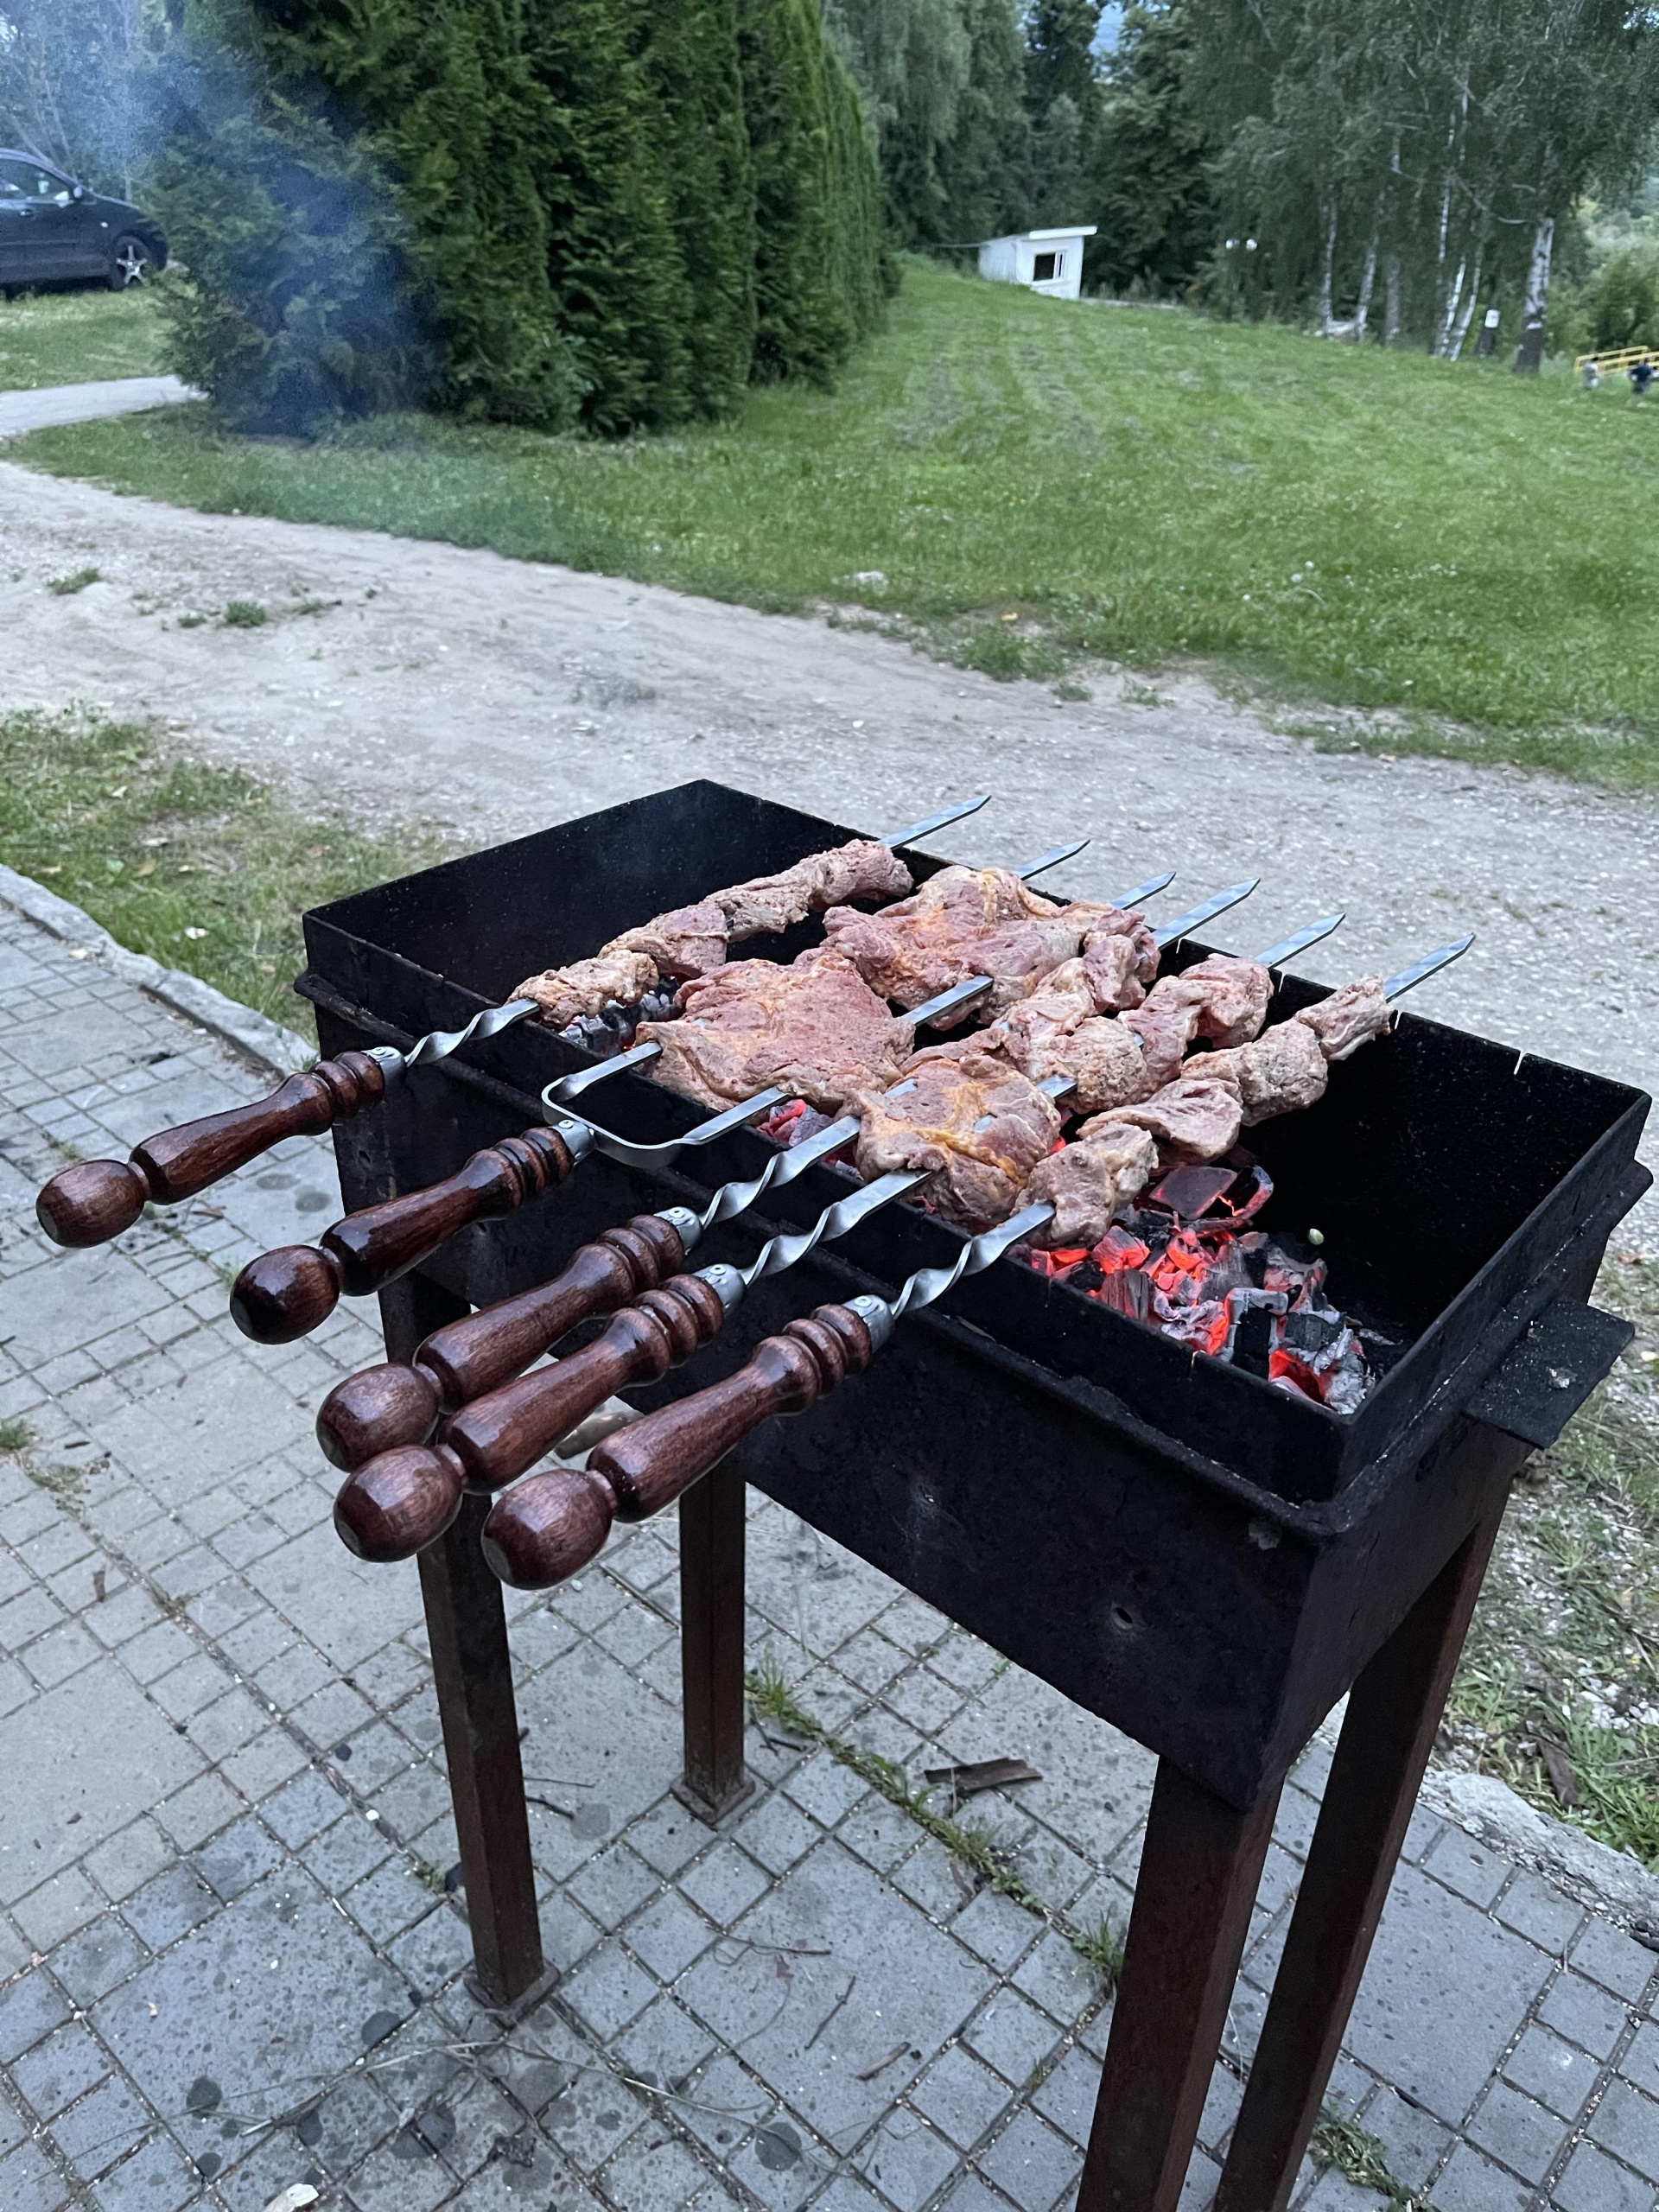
point(1045, 267)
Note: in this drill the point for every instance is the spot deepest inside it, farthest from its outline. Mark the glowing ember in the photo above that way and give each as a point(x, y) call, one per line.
point(1234, 1294)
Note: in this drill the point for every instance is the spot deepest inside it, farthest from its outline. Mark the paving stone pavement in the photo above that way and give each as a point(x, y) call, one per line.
point(228, 1961)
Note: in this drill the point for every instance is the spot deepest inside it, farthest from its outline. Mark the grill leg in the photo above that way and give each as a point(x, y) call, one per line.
point(1394, 1710)
point(466, 1623)
point(711, 1642)
point(1200, 1868)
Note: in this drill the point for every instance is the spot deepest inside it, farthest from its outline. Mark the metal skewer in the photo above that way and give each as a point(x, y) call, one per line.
point(548, 1528)
point(398, 1403)
point(93, 1200)
point(399, 1501)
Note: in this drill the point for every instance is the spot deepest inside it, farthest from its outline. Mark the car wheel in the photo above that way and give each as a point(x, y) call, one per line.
point(130, 262)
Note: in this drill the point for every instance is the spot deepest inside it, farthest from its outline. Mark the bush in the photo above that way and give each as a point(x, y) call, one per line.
point(1620, 304)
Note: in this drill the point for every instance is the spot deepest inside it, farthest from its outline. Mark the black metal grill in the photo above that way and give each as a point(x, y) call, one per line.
point(1169, 1540)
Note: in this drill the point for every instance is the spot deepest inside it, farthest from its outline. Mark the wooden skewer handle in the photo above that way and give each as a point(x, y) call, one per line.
point(385, 1407)
point(547, 1528)
point(499, 1436)
point(96, 1200)
point(286, 1294)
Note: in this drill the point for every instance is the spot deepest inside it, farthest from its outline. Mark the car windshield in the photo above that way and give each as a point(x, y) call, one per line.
point(28, 180)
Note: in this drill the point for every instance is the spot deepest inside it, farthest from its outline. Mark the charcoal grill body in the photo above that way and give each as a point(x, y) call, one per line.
point(1171, 1542)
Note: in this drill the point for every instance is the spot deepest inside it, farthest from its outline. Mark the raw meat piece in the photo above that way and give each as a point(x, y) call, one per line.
point(962, 922)
point(814, 1029)
point(1164, 1028)
point(977, 1126)
point(1278, 1072)
point(693, 940)
point(1230, 996)
point(1349, 1018)
point(1194, 1118)
point(1087, 1181)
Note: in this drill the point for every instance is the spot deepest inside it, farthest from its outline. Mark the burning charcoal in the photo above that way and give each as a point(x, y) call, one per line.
point(1086, 1275)
point(1191, 1191)
point(1309, 1333)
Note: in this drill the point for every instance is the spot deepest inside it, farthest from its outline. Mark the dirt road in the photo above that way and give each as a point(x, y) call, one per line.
point(399, 678)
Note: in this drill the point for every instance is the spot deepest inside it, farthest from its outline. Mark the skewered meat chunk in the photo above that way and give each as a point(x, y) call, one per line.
point(1056, 1032)
point(1287, 1067)
point(1230, 996)
point(1163, 1028)
point(1281, 1071)
point(1196, 1117)
point(1113, 971)
point(815, 1029)
point(977, 1126)
point(694, 940)
point(1349, 1018)
point(962, 922)
point(1087, 1181)
point(1100, 929)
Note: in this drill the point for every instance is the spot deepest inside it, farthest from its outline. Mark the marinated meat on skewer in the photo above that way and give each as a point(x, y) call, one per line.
point(692, 941)
point(1221, 1000)
point(1199, 1115)
point(814, 1029)
point(968, 922)
point(1349, 1018)
point(1196, 1118)
point(1056, 1031)
point(976, 1125)
point(1087, 1181)
point(1287, 1067)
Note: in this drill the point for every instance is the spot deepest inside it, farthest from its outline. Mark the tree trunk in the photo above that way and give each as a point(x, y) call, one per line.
point(1442, 346)
point(1465, 318)
point(1391, 301)
point(1367, 280)
point(1327, 272)
point(1529, 354)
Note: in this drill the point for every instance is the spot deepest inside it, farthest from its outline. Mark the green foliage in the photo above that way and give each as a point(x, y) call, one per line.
point(1359, 2157)
point(1149, 179)
point(1139, 483)
point(982, 167)
point(1620, 304)
point(821, 267)
point(203, 867)
point(295, 312)
point(77, 580)
point(615, 211)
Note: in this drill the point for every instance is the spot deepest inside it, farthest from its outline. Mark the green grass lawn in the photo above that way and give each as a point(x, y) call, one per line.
point(1346, 526)
point(80, 337)
point(204, 868)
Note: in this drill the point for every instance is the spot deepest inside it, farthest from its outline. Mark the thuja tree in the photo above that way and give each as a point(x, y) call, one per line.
point(350, 186)
point(538, 211)
point(821, 264)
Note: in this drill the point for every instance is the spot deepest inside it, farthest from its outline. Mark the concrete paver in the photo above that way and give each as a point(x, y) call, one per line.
point(228, 1959)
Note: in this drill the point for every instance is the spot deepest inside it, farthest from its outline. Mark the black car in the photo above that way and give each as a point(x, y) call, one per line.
point(52, 230)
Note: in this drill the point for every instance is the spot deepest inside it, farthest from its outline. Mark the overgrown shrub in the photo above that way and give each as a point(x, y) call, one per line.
point(530, 211)
point(1620, 304)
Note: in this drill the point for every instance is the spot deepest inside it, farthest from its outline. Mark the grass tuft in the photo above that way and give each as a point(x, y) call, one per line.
point(1349, 525)
point(64, 586)
point(203, 867)
point(971, 1844)
point(1359, 2156)
point(15, 1435)
point(244, 614)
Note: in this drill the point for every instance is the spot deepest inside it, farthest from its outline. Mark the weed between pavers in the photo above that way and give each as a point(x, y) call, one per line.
point(15, 1436)
point(1358, 2156)
point(970, 1844)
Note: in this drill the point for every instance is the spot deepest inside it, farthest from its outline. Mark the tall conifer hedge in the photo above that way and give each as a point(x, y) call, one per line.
point(533, 211)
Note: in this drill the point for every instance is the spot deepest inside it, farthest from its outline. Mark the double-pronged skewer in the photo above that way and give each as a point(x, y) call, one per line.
point(287, 1293)
point(95, 1200)
point(395, 1404)
point(399, 1502)
point(550, 1527)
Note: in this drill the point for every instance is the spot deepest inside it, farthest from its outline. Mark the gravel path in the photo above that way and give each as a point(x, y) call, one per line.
point(87, 402)
point(399, 678)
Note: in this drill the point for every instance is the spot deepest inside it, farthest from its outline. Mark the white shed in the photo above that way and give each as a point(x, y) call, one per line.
point(1043, 261)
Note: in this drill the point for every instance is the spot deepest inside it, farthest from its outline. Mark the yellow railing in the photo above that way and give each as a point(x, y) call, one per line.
point(1616, 362)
